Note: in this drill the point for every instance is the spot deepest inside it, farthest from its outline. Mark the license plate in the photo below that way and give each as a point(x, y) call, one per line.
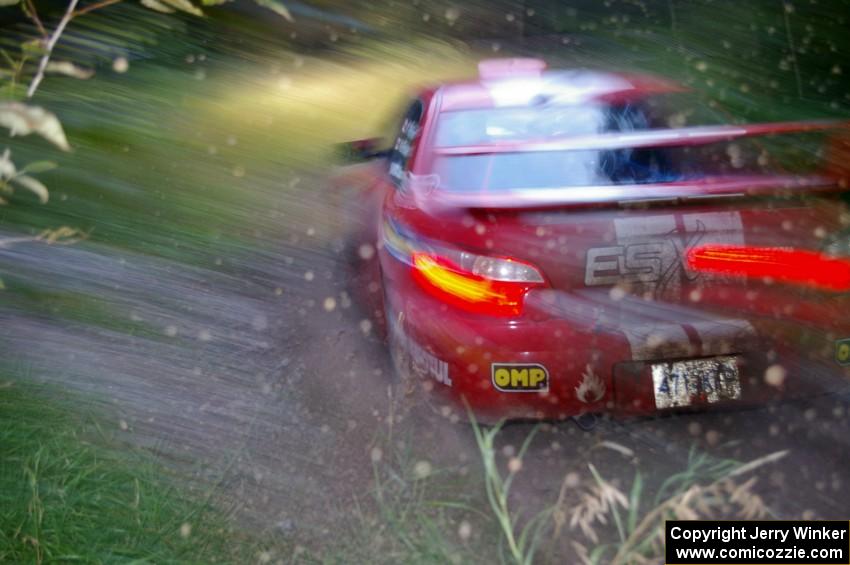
point(696, 381)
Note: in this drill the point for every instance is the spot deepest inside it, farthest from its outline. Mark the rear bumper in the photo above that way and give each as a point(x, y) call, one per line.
point(592, 362)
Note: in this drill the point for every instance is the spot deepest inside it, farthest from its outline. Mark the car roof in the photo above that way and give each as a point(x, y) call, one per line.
point(525, 82)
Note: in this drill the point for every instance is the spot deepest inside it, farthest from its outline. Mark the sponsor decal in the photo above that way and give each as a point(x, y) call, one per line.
point(650, 254)
point(591, 388)
point(427, 364)
point(421, 361)
point(842, 351)
point(520, 377)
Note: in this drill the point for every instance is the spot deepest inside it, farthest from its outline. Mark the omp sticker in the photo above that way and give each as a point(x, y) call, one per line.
point(651, 251)
point(520, 377)
point(698, 338)
point(842, 351)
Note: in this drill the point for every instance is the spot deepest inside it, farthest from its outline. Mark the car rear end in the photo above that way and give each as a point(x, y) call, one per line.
point(641, 271)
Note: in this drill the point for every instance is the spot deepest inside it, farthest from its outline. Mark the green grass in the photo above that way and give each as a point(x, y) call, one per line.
point(522, 540)
point(416, 512)
point(70, 493)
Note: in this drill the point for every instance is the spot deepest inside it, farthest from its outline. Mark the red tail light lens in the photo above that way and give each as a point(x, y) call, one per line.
point(793, 266)
point(493, 285)
point(476, 283)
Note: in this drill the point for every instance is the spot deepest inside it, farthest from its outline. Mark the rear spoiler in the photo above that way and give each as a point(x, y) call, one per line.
point(730, 186)
point(698, 135)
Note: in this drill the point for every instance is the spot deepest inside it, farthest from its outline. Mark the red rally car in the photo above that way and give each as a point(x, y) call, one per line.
point(555, 243)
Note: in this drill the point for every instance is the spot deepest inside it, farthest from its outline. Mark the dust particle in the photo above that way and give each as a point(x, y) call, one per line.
point(120, 65)
point(422, 469)
point(464, 530)
point(366, 251)
point(514, 465)
point(775, 375)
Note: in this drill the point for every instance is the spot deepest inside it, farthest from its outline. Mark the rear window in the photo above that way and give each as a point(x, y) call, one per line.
point(544, 169)
point(545, 121)
point(555, 169)
point(558, 169)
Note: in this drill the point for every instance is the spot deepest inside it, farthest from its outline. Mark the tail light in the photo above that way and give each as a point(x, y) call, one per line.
point(476, 283)
point(793, 266)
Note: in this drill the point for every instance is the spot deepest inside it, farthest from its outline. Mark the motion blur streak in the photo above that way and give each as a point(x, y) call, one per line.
point(807, 268)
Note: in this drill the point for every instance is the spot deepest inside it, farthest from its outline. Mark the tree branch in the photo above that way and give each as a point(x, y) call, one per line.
point(34, 17)
point(95, 6)
point(51, 43)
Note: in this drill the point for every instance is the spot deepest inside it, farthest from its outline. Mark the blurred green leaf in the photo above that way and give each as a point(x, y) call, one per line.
point(22, 119)
point(8, 2)
point(7, 167)
point(277, 8)
point(8, 58)
point(214, 2)
point(157, 6)
point(68, 68)
point(184, 6)
point(39, 167)
point(33, 47)
point(634, 502)
point(33, 185)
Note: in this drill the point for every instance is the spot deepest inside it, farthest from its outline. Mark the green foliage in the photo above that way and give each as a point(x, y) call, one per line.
point(10, 176)
point(524, 542)
point(412, 514)
point(69, 493)
point(23, 118)
point(277, 8)
point(157, 6)
point(184, 6)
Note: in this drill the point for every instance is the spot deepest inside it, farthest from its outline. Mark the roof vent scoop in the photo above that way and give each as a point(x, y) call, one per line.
point(516, 67)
